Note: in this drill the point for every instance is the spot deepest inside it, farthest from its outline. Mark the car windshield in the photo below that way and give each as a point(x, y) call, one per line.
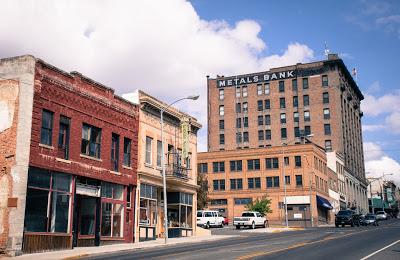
point(247, 214)
point(370, 217)
point(199, 214)
point(344, 213)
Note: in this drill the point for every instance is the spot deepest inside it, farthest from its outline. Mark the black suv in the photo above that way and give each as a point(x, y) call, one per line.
point(347, 217)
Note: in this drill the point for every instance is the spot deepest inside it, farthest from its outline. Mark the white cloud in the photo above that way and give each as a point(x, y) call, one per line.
point(378, 163)
point(373, 106)
point(375, 87)
point(162, 47)
point(393, 122)
point(372, 128)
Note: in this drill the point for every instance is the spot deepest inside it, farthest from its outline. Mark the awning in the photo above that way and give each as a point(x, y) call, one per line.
point(322, 202)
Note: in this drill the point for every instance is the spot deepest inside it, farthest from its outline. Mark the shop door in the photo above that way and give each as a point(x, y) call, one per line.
point(86, 228)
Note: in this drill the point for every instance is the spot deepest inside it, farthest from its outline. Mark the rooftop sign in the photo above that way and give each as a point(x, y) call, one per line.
point(254, 78)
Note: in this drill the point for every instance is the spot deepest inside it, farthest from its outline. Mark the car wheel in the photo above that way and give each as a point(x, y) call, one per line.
point(237, 227)
point(208, 225)
point(253, 225)
point(352, 224)
point(265, 224)
point(336, 225)
point(342, 225)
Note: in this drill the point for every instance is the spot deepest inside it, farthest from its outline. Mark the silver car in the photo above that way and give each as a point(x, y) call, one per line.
point(381, 215)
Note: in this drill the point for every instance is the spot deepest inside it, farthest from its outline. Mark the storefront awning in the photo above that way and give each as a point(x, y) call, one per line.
point(322, 202)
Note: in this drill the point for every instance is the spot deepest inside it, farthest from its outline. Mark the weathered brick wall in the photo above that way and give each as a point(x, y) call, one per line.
point(8, 140)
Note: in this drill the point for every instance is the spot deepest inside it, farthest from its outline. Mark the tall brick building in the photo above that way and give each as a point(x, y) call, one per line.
point(279, 106)
point(68, 159)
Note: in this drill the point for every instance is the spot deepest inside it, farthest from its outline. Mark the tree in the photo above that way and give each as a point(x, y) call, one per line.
point(262, 205)
point(202, 191)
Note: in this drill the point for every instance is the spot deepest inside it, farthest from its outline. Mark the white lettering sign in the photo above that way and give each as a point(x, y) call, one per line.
point(261, 77)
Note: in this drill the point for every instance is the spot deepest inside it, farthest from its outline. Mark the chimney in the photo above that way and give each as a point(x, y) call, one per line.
point(333, 56)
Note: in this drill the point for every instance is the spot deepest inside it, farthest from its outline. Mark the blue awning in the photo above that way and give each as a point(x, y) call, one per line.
point(322, 202)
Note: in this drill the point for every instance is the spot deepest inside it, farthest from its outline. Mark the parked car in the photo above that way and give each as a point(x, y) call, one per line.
point(381, 215)
point(347, 217)
point(209, 218)
point(250, 219)
point(226, 221)
point(370, 219)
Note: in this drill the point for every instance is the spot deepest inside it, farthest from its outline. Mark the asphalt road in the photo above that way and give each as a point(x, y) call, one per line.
point(381, 242)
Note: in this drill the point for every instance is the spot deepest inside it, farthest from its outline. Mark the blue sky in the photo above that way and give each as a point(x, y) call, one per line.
point(167, 47)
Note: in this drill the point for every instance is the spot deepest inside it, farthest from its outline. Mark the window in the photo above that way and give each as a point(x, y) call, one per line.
point(295, 101)
point(287, 179)
point(238, 123)
point(273, 182)
point(112, 211)
point(271, 163)
point(283, 133)
point(245, 121)
point(299, 180)
point(218, 167)
point(267, 104)
point(236, 184)
point(47, 201)
point(305, 83)
point(306, 116)
point(260, 120)
point(253, 164)
point(266, 88)
point(297, 161)
point(219, 202)
point(245, 107)
point(221, 94)
point(149, 144)
point(283, 118)
point(221, 124)
point(63, 136)
point(286, 160)
point(268, 134)
point(328, 145)
point(281, 86)
point(243, 201)
point(202, 167)
point(267, 119)
point(324, 80)
point(221, 139)
point(238, 108)
point(221, 110)
point(244, 90)
point(282, 103)
point(260, 135)
point(325, 98)
point(297, 132)
point(91, 138)
point(306, 100)
point(238, 92)
point(238, 138)
point(127, 152)
point(259, 89)
point(218, 185)
point(148, 205)
point(259, 105)
point(254, 183)
point(327, 114)
point(46, 132)
point(294, 84)
point(114, 151)
point(236, 166)
point(245, 137)
point(327, 129)
point(307, 130)
point(296, 116)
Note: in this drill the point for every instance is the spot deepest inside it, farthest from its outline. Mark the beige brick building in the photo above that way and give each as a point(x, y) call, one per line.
point(237, 177)
point(279, 106)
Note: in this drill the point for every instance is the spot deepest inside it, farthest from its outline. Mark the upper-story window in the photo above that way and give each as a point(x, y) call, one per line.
point(283, 118)
point(259, 89)
point(267, 134)
point(235, 166)
point(245, 121)
point(238, 92)
point(296, 116)
point(236, 184)
point(245, 107)
point(266, 89)
point(127, 152)
point(238, 108)
point(244, 90)
point(222, 139)
point(281, 86)
point(202, 168)
point(238, 123)
point(324, 80)
point(114, 151)
point(245, 137)
point(47, 127)
point(259, 105)
point(221, 110)
point(294, 84)
point(221, 124)
point(297, 161)
point(328, 145)
point(260, 120)
point(221, 94)
point(148, 154)
point(218, 167)
point(283, 133)
point(305, 83)
point(267, 104)
point(159, 153)
point(327, 129)
point(282, 103)
point(63, 135)
point(299, 180)
point(295, 101)
point(325, 98)
point(327, 114)
point(306, 100)
point(267, 119)
point(297, 131)
point(272, 163)
point(91, 140)
point(307, 116)
point(253, 164)
point(260, 135)
point(254, 183)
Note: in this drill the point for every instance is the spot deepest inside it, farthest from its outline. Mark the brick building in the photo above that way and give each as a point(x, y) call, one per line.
point(69, 159)
point(237, 177)
point(279, 106)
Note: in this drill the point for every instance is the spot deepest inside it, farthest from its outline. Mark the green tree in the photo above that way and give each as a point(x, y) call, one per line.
point(262, 205)
point(202, 191)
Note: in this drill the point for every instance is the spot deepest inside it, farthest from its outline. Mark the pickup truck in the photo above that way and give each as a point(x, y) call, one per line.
point(250, 219)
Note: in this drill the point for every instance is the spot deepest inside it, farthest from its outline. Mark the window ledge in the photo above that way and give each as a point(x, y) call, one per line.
point(127, 167)
point(46, 146)
point(63, 160)
point(148, 165)
point(116, 173)
point(90, 158)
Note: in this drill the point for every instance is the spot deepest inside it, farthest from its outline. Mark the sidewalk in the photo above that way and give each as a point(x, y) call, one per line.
point(79, 252)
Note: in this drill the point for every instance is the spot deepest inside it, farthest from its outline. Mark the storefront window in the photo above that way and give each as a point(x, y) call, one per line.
point(148, 205)
point(180, 211)
point(106, 209)
point(112, 209)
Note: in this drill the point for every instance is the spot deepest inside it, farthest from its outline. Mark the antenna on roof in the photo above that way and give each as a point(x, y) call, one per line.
point(326, 50)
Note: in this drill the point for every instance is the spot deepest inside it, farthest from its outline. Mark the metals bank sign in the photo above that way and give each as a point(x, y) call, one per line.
point(255, 78)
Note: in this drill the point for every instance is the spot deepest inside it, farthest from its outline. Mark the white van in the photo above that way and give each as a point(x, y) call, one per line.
point(208, 218)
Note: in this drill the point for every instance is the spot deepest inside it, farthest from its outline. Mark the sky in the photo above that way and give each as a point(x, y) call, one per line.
point(168, 47)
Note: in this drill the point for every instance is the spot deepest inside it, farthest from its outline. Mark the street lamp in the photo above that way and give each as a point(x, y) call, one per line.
point(162, 110)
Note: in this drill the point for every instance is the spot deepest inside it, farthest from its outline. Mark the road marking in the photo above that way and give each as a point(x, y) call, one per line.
point(380, 250)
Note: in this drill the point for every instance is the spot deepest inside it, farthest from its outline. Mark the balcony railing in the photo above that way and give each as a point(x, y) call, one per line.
point(178, 171)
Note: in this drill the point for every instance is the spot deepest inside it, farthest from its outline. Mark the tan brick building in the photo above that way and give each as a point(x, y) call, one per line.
point(238, 176)
point(279, 106)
